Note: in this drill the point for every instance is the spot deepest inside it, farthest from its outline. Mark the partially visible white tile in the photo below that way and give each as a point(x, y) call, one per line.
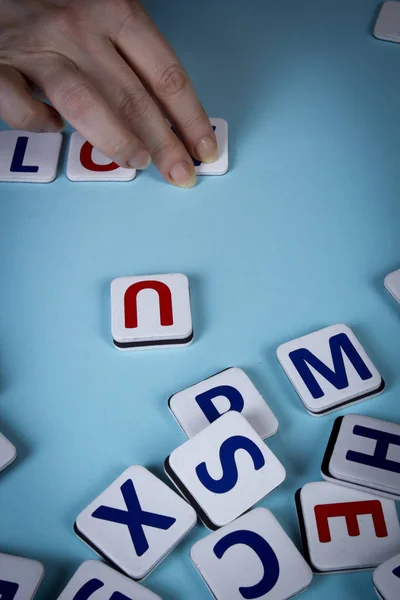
point(20, 577)
point(344, 529)
point(386, 579)
point(252, 557)
point(392, 281)
point(224, 470)
point(364, 453)
point(201, 404)
point(388, 24)
point(86, 163)
point(221, 165)
point(151, 311)
point(138, 549)
point(29, 157)
point(8, 452)
point(330, 386)
point(94, 579)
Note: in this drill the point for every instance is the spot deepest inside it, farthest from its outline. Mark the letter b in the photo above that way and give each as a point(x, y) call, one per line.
point(205, 401)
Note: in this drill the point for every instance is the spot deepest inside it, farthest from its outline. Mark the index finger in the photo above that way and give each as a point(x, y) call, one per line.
point(153, 60)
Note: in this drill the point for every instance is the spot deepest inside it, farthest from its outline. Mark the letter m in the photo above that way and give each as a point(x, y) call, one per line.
point(339, 344)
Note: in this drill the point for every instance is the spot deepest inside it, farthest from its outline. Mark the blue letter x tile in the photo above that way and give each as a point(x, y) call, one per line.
point(134, 518)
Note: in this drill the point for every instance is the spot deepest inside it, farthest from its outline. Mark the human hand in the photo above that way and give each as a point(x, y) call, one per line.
point(107, 70)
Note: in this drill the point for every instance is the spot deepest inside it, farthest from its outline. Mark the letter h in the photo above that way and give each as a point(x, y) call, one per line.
point(378, 459)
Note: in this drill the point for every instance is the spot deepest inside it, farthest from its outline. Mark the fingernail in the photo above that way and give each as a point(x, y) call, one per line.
point(182, 174)
point(206, 150)
point(141, 160)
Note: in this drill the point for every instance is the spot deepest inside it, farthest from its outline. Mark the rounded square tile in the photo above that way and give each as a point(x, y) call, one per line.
point(201, 404)
point(329, 369)
point(151, 311)
point(252, 557)
point(224, 470)
point(135, 522)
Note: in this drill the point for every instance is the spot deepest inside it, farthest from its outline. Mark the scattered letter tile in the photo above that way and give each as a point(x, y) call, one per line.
point(392, 281)
point(224, 470)
point(96, 580)
point(330, 369)
point(203, 403)
point(387, 27)
point(386, 579)
point(151, 311)
point(20, 577)
point(8, 453)
point(344, 529)
point(364, 453)
point(135, 522)
point(252, 557)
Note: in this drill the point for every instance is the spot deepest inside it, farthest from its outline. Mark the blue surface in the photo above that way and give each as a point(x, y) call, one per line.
point(297, 236)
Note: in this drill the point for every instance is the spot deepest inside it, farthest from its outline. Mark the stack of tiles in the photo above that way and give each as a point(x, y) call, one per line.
point(251, 558)
point(364, 453)
point(224, 470)
point(136, 522)
point(151, 311)
point(29, 157)
point(20, 577)
point(85, 163)
point(8, 453)
point(386, 579)
point(201, 404)
point(392, 282)
point(345, 530)
point(330, 369)
point(94, 578)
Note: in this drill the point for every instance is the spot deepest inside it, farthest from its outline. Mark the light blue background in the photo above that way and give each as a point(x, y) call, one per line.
point(298, 235)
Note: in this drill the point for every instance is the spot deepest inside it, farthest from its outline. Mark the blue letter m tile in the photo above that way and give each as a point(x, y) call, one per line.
point(303, 359)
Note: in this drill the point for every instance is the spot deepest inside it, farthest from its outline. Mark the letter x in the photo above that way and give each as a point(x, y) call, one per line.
point(134, 518)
